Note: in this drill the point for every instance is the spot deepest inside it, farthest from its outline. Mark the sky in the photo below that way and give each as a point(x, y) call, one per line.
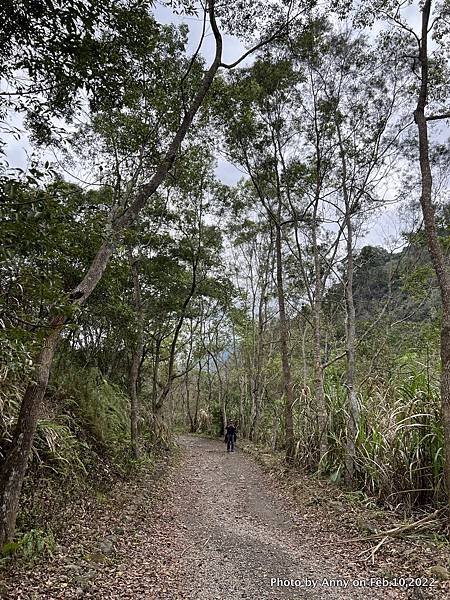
point(232, 50)
point(383, 229)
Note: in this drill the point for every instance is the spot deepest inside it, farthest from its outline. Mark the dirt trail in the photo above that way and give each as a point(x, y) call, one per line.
point(242, 534)
point(214, 527)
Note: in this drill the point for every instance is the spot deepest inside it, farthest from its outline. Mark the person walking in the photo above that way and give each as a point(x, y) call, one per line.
point(230, 436)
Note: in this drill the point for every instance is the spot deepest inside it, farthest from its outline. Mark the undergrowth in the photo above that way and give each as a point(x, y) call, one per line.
point(80, 449)
point(399, 456)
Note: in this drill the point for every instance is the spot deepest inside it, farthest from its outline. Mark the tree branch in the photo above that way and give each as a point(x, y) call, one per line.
point(438, 117)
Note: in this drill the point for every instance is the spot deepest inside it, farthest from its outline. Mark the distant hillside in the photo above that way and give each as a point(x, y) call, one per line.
point(401, 284)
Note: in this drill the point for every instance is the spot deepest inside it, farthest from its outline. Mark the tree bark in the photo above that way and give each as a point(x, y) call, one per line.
point(352, 402)
point(284, 346)
point(188, 403)
point(284, 327)
point(322, 417)
point(353, 418)
point(258, 384)
point(137, 357)
point(197, 396)
point(222, 398)
point(15, 464)
point(434, 246)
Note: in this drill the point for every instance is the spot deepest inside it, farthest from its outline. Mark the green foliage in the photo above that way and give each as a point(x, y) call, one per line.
point(314, 97)
point(57, 448)
point(49, 236)
point(86, 420)
point(100, 406)
point(399, 445)
point(10, 396)
point(104, 48)
point(32, 545)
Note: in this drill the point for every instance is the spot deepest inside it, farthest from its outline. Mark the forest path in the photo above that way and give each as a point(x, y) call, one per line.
point(215, 526)
point(240, 533)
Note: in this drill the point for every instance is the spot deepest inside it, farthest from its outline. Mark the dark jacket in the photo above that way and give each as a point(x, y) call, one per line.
point(230, 433)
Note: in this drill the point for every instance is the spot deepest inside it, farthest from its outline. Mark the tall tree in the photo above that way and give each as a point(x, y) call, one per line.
point(365, 137)
point(254, 141)
point(437, 252)
point(429, 87)
point(137, 353)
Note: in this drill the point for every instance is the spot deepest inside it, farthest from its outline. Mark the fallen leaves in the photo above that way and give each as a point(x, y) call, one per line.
point(209, 528)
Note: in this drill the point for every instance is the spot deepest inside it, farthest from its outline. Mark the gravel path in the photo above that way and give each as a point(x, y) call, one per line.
point(215, 526)
point(240, 534)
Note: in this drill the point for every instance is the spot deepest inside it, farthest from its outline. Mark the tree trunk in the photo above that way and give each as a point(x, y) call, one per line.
point(258, 388)
point(352, 402)
point(434, 246)
point(14, 467)
point(284, 347)
point(155, 374)
point(319, 394)
point(166, 388)
point(134, 401)
point(197, 397)
point(223, 409)
point(242, 397)
point(284, 328)
point(188, 403)
point(222, 398)
point(137, 357)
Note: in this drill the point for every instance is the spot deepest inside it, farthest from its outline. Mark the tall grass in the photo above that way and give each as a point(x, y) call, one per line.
point(78, 447)
point(82, 412)
point(399, 457)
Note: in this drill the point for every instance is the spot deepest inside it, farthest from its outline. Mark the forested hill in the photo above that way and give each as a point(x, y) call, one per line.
point(401, 285)
point(187, 190)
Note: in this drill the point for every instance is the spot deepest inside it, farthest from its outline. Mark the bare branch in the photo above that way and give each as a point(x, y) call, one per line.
point(438, 117)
